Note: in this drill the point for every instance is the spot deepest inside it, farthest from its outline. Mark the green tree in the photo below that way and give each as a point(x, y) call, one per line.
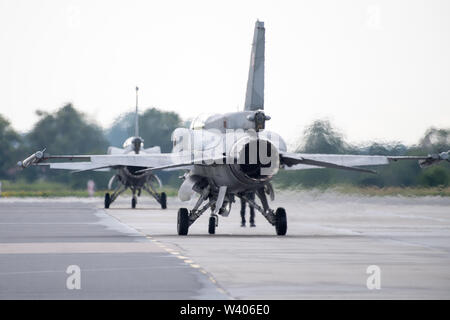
point(155, 127)
point(10, 142)
point(66, 131)
point(321, 137)
point(435, 177)
point(435, 140)
point(385, 149)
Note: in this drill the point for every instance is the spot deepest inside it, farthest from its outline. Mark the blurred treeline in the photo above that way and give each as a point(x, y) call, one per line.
point(67, 131)
point(321, 137)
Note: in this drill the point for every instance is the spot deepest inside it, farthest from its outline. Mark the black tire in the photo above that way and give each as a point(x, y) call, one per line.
point(183, 221)
point(280, 222)
point(107, 200)
point(133, 202)
point(212, 225)
point(163, 200)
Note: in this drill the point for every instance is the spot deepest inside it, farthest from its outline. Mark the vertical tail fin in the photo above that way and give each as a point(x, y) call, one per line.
point(254, 97)
point(136, 116)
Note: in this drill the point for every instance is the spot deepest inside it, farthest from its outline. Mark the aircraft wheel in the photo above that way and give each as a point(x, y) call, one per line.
point(107, 200)
point(212, 225)
point(163, 200)
point(183, 221)
point(280, 222)
point(133, 202)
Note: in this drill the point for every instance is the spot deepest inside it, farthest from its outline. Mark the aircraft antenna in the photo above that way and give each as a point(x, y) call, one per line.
point(136, 117)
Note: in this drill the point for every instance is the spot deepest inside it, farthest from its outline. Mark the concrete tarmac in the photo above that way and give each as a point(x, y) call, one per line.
point(40, 239)
point(135, 253)
point(332, 239)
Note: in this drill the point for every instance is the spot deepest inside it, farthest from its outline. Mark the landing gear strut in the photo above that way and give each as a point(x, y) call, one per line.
point(126, 182)
point(186, 218)
point(109, 198)
point(134, 198)
point(160, 197)
point(277, 219)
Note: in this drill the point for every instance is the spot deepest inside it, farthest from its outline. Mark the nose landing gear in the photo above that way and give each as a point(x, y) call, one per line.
point(276, 218)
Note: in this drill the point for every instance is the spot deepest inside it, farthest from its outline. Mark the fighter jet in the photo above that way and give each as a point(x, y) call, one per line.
point(127, 176)
point(227, 156)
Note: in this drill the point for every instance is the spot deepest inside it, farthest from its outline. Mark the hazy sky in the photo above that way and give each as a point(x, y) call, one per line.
point(379, 70)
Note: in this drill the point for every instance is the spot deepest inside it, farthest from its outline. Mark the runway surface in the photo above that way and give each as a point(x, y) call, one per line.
point(124, 253)
point(39, 240)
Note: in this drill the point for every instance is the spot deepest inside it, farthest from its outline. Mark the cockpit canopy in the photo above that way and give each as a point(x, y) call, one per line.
point(244, 120)
point(199, 122)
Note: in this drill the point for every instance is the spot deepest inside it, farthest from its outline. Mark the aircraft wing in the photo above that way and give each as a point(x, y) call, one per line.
point(302, 161)
point(153, 161)
point(76, 166)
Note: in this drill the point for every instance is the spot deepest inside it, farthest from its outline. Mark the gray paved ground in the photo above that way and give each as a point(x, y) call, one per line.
point(39, 240)
point(331, 241)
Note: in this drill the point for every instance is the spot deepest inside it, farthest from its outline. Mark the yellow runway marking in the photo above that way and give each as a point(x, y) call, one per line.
point(188, 261)
point(221, 290)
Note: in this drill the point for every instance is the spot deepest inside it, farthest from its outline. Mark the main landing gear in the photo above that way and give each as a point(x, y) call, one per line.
point(186, 218)
point(183, 221)
point(278, 218)
point(160, 197)
point(280, 222)
point(107, 200)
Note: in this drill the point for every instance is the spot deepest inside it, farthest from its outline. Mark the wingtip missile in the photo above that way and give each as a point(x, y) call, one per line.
point(33, 159)
point(434, 159)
